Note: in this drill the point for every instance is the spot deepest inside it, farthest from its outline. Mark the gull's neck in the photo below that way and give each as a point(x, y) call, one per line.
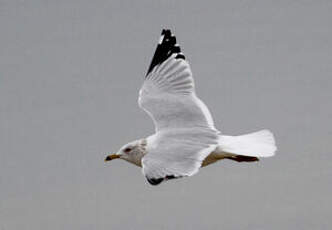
point(137, 158)
point(142, 146)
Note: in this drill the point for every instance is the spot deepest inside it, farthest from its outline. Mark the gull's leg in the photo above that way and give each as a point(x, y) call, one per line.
point(212, 158)
point(215, 156)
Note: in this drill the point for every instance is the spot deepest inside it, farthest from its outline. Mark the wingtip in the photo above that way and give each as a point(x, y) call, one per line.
point(154, 181)
point(166, 32)
point(166, 47)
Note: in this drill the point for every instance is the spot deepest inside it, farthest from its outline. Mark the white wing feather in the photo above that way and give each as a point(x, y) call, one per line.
point(168, 96)
point(177, 152)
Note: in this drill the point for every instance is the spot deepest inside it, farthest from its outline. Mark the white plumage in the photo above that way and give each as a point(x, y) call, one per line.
point(257, 144)
point(185, 137)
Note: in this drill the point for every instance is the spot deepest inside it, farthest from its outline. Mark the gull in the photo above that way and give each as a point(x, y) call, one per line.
point(185, 137)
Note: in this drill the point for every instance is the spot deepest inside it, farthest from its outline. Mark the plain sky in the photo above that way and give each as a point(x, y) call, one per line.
point(70, 72)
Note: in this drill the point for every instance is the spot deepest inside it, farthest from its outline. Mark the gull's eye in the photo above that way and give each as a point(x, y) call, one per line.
point(127, 150)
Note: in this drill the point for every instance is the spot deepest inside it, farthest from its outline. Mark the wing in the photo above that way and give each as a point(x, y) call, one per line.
point(177, 153)
point(185, 132)
point(168, 93)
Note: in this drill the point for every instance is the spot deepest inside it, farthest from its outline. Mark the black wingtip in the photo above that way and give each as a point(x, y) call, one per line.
point(155, 181)
point(166, 32)
point(165, 48)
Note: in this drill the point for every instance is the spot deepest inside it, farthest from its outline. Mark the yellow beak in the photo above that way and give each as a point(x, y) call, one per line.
point(111, 157)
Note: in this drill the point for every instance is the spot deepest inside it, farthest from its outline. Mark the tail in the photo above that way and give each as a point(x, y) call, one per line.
point(248, 147)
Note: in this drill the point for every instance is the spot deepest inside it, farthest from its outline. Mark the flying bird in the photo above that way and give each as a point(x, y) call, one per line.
point(185, 137)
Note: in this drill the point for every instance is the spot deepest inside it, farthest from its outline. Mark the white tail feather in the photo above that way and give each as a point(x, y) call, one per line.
point(257, 144)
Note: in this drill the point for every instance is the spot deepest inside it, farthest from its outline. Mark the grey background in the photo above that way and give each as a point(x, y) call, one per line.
point(70, 72)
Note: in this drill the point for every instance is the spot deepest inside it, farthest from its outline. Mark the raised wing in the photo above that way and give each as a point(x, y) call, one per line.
point(185, 132)
point(168, 93)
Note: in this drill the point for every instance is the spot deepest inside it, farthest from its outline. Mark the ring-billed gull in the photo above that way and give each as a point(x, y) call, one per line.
point(185, 137)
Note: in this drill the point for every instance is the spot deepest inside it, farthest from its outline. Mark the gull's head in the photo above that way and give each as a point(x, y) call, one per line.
point(132, 152)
